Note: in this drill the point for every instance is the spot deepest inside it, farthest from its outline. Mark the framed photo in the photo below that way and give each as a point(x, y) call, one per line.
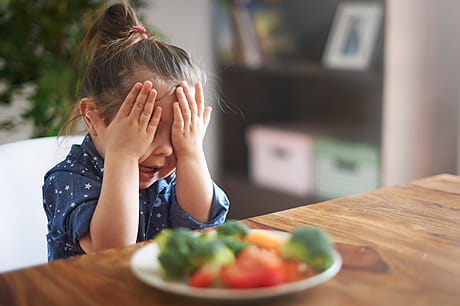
point(353, 35)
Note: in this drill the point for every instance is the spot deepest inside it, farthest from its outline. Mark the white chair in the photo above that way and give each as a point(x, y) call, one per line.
point(23, 223)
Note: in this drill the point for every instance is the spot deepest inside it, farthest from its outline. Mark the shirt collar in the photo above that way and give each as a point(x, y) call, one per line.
point(88, 147)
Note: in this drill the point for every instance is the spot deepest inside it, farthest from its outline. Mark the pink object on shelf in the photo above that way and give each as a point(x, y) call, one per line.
point(281, 159)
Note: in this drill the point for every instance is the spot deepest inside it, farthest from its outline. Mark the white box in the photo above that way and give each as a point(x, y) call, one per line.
point(281, 159)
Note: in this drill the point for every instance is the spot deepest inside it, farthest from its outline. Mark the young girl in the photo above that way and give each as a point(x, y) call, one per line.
point(141, 167)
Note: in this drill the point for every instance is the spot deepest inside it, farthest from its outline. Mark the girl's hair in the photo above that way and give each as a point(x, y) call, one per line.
point(116, 47)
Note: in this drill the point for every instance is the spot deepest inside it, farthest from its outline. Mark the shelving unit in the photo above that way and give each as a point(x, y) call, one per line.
point(300, 91)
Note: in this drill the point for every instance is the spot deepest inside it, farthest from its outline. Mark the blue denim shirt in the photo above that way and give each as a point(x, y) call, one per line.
point(71, 191)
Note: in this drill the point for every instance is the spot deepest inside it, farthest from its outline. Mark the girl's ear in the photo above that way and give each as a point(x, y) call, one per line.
point(88, 112)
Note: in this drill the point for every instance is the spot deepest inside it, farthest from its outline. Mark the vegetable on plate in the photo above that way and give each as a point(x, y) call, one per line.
point(234, 256)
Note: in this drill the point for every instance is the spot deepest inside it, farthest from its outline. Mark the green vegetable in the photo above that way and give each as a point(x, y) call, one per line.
point(310, 245)
point(233, 228)
point(177, 247)
point(234, 244)
point(207, 235)
point(213, 253)
point(181, 251)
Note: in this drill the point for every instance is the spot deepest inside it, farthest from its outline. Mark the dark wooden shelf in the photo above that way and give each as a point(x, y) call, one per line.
point(249, 200)
point(295, 89)
point(292, 94)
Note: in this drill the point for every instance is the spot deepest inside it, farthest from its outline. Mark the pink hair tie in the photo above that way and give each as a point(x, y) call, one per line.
point(142, 29)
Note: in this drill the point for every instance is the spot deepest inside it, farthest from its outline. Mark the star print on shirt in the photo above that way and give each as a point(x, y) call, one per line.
point(69, 209)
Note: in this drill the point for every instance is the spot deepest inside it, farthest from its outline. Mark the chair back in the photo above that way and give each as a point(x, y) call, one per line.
point(23, 223)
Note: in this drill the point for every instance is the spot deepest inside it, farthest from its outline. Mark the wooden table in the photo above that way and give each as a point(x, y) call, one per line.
point(400, 246)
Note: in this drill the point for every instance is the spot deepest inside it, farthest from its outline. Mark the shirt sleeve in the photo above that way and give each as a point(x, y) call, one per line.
point(219, 210)
point(70, 201)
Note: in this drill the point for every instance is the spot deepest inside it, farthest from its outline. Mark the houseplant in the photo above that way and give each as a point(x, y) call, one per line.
point(37, 51)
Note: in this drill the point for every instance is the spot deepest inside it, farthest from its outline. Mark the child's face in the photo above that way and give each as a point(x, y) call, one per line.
point(159, 160)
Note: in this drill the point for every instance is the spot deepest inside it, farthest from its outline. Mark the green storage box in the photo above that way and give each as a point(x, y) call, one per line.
point(344, 168)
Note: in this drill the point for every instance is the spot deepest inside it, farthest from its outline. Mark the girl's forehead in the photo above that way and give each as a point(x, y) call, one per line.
point(164, 87)
point(164, 90)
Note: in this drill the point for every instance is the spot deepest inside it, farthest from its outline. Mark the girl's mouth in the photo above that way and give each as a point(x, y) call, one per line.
point(147, 173)
point(147, 169)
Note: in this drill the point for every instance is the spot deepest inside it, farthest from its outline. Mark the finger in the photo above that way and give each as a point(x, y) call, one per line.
point(184, 106)
point(190, 99)
point(146, 114)
point(207, 116)
point(178, 118)
point(127, 104)
point(141, 99)
point(154, 121)
point(199, 97)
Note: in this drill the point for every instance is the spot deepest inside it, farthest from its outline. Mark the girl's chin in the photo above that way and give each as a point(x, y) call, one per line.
point(147, 176)
point(146, 180)
point(145, 185)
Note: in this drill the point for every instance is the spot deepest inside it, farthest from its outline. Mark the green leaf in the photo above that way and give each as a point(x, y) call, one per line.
point(38, 47)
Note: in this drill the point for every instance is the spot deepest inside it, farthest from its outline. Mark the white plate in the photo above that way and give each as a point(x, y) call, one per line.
point(145, 265)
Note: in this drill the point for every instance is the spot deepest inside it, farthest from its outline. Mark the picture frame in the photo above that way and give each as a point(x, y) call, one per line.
point(353, 35)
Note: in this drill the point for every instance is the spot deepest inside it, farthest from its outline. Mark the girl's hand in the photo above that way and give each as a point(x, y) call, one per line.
point(132, 130)
point(194, 188)
point(191, 119)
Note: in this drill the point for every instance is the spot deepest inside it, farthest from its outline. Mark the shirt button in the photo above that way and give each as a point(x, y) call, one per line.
point(157, 203)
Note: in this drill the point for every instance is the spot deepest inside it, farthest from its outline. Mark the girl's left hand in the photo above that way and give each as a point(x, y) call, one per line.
point(191, 118)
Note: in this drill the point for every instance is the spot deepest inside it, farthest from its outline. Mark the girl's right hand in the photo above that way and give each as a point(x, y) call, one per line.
point(132, 130)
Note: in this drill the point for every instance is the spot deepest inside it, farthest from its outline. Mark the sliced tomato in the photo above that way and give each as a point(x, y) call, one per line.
point(201, 278)
point(291, 270)
point(254, 267)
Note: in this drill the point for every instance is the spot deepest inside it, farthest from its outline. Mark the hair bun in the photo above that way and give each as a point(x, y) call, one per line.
point(116, 22)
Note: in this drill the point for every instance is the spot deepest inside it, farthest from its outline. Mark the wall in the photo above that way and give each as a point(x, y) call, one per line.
point(188, 24)
point(422, 65)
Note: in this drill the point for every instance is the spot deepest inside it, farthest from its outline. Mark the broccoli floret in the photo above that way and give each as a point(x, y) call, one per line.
point(310, 245)
point(234, 244)
point(177, 247)
point(213, 254)
point(233, 228)
point(207, 236)
point(162, 238)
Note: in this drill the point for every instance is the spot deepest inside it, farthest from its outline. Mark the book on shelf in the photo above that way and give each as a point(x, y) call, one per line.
point(269, 24)
point(251, 32)
point(224, 33)
point(246, 41)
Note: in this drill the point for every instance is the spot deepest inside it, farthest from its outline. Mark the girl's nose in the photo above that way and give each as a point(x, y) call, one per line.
point(162, 146)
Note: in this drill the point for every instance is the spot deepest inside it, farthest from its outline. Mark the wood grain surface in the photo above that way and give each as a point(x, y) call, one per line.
point(400, 246)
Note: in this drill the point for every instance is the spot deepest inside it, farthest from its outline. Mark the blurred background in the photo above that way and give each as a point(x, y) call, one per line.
point(313, 100)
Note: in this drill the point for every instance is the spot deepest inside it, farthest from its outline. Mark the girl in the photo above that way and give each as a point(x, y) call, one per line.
point(141, 167)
